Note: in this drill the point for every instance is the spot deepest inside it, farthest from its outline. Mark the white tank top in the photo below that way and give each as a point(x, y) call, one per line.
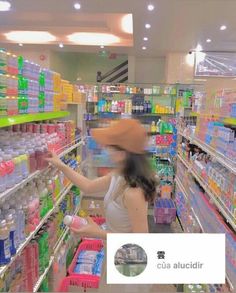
point(117, 218)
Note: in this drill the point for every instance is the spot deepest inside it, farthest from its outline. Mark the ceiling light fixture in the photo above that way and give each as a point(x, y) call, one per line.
point(30, 37)
point(5, 6)
point(77, 6)
point(127, 23)
point(223, 27)
point(147, 25)
point(208, 40)
point(150, 7)
point(102, 47)
point(144, 48)
point(61, 45)
point(21, 45)
point(145, 39)
point(93, 39)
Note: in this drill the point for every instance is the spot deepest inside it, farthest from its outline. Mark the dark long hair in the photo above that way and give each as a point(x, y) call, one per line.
point(137, 172)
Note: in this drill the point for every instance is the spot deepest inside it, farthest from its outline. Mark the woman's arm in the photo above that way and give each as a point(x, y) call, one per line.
point(137, 209)
point(85, 184)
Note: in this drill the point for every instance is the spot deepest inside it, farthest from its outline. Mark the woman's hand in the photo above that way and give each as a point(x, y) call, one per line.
point(54, 160)
point(90, 230)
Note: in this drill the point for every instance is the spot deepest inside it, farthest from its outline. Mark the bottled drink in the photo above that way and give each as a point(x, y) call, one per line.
point(141, 108)
point(12, 229)
point(3, 174)
point(75, 222)
point(5, 253)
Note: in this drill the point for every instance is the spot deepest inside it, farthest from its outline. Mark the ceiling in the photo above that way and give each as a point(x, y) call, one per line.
point(176, 25)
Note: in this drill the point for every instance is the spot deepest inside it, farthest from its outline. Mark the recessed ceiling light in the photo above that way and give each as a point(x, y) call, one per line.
point(21, 45)
point(198, 48)
point(102, 47)
point(208, 40)
point(223, 27)
point(150, 7)
point(30, 37)
point(127, 23)
point(145, 39)
point(5, 6)
point(61, 45)
point(147, 25)
point(144, 48)
point(93, 39)
point(77, 6)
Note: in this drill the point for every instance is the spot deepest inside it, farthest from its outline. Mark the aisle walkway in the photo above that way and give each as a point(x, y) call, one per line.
point(105, 288)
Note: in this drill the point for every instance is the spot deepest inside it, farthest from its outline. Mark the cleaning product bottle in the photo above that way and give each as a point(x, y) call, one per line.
point(5, 253)
point(75, 222)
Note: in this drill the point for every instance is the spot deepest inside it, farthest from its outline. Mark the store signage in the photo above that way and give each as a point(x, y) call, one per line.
point(166, 258)
point(215, 64)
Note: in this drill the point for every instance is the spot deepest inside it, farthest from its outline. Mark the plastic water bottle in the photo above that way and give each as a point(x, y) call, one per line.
point(5, 253)
point(21, 223)
point(75, 222)
point(12, 228)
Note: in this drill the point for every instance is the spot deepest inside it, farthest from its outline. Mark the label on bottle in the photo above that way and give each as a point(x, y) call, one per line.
point(5, 253)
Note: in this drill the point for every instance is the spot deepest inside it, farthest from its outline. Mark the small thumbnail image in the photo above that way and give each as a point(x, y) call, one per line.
point(130, 260)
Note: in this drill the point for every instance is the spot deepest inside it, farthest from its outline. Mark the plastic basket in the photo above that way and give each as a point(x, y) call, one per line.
point(84, 281)
point(96, 245)
point(164, 211)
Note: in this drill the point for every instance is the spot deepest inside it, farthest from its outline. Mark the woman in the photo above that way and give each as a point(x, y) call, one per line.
point(128, 189)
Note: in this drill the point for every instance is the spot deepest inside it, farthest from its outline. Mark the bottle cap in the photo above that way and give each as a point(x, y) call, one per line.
point(67, 220)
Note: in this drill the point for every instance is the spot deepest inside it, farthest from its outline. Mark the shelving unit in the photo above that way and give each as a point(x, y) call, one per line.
point(25, 118)
point(55, 249)
point(214, 198)
point(3, 269)
point(4, 195)
point(223, 160)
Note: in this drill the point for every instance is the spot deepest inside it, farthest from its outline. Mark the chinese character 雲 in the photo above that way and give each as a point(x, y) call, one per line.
point(161, 254)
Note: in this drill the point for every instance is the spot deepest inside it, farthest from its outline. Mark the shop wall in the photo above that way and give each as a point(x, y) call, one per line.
point(41, 57)
point(82, 66)
point(150, 70)
point(180, 68)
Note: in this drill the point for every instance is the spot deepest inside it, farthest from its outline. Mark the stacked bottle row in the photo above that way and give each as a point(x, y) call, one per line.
point(25, 87)
point(23, 149)
point(35, 258)
point(132, 107)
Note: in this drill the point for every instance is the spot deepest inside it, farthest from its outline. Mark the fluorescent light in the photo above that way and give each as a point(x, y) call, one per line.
point(223, 27)
point(127, 23)
point(144, 48)
point(145, 39)
point(93, 39)
point(77, 6)
point(61, 45)
point(30, 37)
point(150, 7)
point(208, 40)
point(147, 25)
point(5, 6)
point(198, 48)
point(21, 45)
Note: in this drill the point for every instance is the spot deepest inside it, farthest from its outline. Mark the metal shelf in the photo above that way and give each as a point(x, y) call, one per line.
point(3, 269)
point(4, 195)
point(25, 118)
point(56, 248)
point(223, 160)
point(215, 199)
